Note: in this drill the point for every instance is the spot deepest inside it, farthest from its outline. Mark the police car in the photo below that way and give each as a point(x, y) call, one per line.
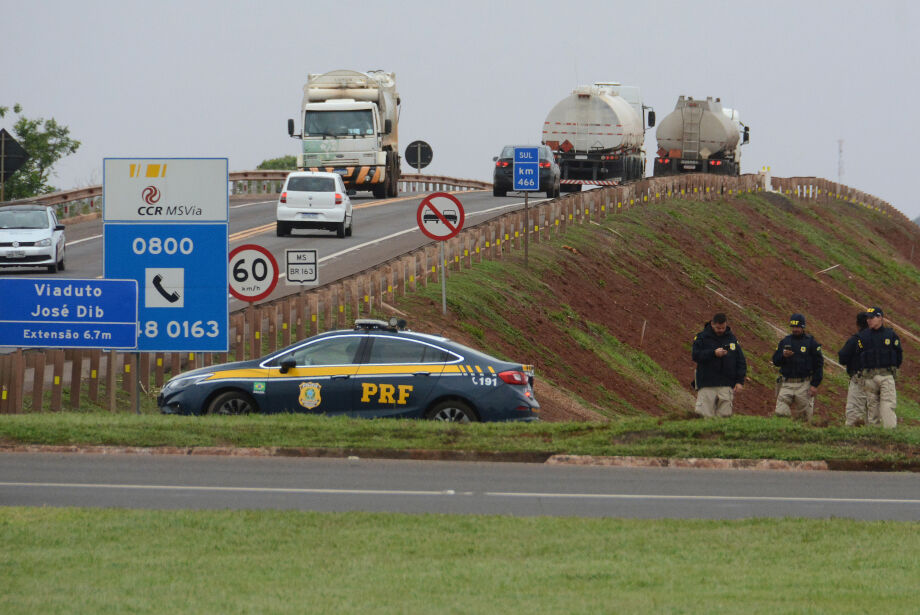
point(377, 369)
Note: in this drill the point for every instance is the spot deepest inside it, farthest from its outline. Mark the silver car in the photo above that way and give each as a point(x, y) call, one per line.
point(30, 236)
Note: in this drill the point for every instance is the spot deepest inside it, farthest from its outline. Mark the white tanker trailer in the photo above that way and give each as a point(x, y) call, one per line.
point(598, 135)
point(700, 137)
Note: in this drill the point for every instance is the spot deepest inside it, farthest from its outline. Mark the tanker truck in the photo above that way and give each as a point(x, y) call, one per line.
point(349, 125)
point(700, 137)
point(597, 135)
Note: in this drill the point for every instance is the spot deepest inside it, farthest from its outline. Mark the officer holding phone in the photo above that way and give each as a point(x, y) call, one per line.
point(720, 368)
point(801, 368)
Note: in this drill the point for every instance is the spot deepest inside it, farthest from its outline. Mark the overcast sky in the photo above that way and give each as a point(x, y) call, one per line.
point(220, 78)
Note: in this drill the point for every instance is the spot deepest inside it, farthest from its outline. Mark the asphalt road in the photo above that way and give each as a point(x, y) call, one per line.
point(383, 229)
point(517, 489)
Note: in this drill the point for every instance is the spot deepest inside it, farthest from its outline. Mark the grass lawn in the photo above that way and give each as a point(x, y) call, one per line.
point(118, 561)
point(740, 437)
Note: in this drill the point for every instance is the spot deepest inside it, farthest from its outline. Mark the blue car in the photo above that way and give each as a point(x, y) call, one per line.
point(378, 369)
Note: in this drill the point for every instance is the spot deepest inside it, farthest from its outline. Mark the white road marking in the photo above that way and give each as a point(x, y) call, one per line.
point(441, 492)
point(76, 241)
point(249, 204)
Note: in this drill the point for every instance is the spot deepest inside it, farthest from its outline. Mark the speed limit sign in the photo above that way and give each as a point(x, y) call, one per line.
point(253, 273)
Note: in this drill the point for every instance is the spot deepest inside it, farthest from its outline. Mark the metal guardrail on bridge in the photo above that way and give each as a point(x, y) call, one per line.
point(88, 200)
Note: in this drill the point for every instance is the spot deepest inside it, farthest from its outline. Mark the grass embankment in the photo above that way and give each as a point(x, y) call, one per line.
point(737, 438)
point(116, 561)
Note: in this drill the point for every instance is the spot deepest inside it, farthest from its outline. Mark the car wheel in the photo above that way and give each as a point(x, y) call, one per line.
point(61, 264)
point(282, 229)
point(53, 268)
point(232, 402)
point(497, 192)
point(351, 226)
point(451, 411)
point(340, 229)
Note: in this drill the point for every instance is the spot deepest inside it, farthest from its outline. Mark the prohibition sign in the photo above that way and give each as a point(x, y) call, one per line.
point(434, 217)
point(253, 272)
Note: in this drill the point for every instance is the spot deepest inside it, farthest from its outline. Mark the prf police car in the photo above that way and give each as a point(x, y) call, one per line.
point(379, 369)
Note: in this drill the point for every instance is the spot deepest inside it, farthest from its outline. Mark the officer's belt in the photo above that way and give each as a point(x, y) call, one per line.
point(876, 371)
point(796, 379)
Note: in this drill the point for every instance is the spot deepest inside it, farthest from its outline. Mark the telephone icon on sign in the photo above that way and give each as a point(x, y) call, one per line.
point(157, 282)
point(164, 287)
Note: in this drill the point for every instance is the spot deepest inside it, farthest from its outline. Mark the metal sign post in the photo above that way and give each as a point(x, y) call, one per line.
point(526, 179)
point(419, 155)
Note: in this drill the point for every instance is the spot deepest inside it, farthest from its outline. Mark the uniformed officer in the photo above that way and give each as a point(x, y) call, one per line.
point(879, 357)
point(801, 368)
point(720, 368)
point(857, 403)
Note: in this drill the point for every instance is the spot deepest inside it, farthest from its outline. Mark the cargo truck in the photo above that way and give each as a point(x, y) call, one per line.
point(700, 136)
point(597, 135)
point(349, 125)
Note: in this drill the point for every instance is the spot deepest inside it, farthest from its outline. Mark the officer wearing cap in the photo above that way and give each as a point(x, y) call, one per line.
point(720, 368)
point(801, 368)
point(879, 356)
point(857, 403)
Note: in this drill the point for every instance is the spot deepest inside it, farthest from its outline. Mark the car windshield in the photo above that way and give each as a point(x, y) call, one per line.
point(23, 219)
point(311, 184)
point(338, 123)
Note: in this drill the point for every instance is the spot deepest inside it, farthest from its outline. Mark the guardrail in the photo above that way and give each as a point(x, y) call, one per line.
point(263, 328)
point(88, 200)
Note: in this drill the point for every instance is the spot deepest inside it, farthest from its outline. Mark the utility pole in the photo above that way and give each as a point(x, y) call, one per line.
point(839, 161)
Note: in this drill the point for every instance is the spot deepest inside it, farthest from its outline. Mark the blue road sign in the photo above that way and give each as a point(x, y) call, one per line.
point(165, 225)
point(526, 170)
point(182, 274)
point(68, 313)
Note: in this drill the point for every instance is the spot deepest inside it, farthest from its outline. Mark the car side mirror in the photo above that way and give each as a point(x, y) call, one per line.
point(290, 128)
point(287, 365)
point(494, 158)
point(60, 227)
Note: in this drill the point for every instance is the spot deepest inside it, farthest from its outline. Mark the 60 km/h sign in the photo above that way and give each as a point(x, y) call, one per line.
point(440, 216)
point(253, 273)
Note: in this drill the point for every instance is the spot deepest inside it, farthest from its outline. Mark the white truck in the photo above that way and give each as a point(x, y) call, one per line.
point(597, 135)
point(349, 125)
point(700, 136)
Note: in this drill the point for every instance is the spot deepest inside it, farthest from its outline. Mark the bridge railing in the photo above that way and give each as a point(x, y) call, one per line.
point(88, 200)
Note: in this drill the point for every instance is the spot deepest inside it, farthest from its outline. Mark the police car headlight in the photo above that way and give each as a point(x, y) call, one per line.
point(181, 382)
point(43, 243)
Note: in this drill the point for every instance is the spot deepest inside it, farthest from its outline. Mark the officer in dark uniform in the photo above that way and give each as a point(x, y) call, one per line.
point(879, 357)
point(801, 368)
point(857, 404)
point(720, 368)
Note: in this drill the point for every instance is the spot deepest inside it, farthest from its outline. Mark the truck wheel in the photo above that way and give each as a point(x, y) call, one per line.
point(380, 191)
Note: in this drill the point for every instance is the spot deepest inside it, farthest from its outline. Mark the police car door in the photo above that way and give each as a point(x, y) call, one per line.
point(320, 380)
point(398, 377)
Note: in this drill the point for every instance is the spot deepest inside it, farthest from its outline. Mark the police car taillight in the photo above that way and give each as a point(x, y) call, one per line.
point(338, 198)
point(514, 377)
point(284, 197)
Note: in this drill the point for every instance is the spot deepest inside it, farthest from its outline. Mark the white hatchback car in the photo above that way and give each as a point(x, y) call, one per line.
point(30, 236)
point(313, 200)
